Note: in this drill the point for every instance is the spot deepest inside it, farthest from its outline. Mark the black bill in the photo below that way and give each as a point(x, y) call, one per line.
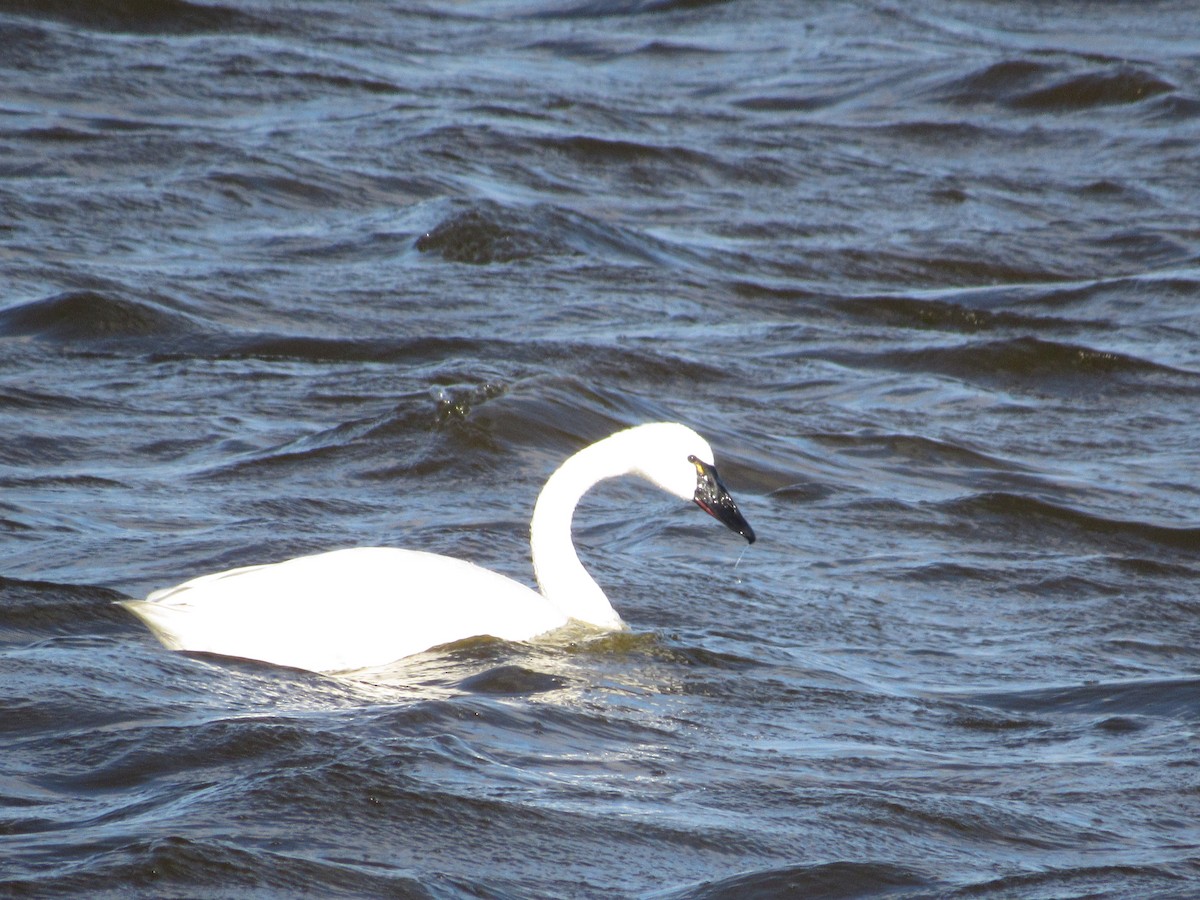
point(713, 498)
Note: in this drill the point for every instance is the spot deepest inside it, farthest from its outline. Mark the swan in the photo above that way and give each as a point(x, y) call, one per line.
point(364, 607)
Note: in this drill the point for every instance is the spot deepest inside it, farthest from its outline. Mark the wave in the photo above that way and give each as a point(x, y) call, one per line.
point(1003, 305)
point(140, 16)
point(1174, 289)
point(609, 48)
point(1021, 84)
point(940, 267)
point(309, 349)
point(997, 81)
point(606, 8)
point(938, 457)
point(165, 866)
point(938, 314)
point(13, 397)
point(1029, 363)
point(653, 163)
point(1093, 89)
point(1088, 881)
point(90, 316)
point(36, 610)
point(488, 233)
point(1173, 698)
point(833, 879)
point(454, 362)
point(1031, 512)
point(280, 189)
point(484, 232)
point(511, 680)
point(345, 438)
point(477, 418)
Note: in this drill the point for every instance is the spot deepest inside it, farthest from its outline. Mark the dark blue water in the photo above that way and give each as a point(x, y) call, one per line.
point(278, 278)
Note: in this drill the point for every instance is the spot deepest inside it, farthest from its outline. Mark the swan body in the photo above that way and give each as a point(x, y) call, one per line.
point(368, 606)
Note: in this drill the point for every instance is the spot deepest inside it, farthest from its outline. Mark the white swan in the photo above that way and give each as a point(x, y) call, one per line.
point(368, 606)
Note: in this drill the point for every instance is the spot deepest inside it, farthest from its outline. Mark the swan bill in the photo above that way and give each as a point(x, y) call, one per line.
point(713, 497)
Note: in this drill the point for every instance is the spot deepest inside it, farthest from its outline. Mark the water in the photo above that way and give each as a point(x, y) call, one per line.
point(279, 278)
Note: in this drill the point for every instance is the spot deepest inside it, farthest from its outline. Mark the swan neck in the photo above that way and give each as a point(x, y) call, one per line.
point(560, 575)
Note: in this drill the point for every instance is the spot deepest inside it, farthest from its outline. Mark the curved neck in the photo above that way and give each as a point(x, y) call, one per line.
point(560, 575)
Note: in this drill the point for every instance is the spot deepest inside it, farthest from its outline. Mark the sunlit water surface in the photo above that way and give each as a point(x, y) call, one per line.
point(278, 278)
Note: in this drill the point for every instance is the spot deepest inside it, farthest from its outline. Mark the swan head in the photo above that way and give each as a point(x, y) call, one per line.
point(681, 462)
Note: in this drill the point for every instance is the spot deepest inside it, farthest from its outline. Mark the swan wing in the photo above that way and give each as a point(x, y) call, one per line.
point(345, 609)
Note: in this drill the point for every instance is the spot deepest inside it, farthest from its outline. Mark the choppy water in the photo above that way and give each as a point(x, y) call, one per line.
point(282, 277)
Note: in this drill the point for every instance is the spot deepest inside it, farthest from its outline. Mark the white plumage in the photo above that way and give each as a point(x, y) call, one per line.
point(368, 606)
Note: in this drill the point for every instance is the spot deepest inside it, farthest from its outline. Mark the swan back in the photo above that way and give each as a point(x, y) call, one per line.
point(344, 609)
